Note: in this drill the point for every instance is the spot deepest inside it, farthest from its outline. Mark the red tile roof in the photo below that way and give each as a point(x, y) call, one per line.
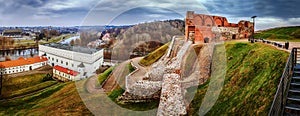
point(22, 61)
point(66, 70)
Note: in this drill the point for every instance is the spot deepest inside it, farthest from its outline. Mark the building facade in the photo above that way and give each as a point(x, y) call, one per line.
point(12, 33)
point(22, 64)
point(81, 59)
point(65, 74)
point(201, 28)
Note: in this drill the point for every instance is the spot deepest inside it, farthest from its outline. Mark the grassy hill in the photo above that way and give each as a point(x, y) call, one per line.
point(155, 55)
point(61, 99)
point(291, 34)
point(253, 72)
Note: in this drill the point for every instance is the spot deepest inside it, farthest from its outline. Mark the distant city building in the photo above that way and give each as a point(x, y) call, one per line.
point(204, 28)
point(81, 59)
point(12, 33)
point(22, 64)
point(65, 74)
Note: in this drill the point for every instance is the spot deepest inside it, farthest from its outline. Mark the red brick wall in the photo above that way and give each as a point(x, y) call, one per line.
point(202, 24)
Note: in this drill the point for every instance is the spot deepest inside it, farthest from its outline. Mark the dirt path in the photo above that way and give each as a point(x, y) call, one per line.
point(115, 79)
point(91, 85)
point(292, 44)
point(140, 71)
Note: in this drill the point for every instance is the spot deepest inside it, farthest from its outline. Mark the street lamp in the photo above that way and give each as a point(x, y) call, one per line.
point(1, 76)
point(252, 39)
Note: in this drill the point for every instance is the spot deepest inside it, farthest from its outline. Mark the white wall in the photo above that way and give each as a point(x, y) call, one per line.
point(67, 76)
point(91, 61)
point(18, 69)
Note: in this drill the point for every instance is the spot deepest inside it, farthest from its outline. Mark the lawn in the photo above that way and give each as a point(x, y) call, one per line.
point(155, 55)
point(291, 34)
point(103, 76)
point(61, 99)
point(11, 85)
point(56, 39)
point(32, 88)
point(252, 77)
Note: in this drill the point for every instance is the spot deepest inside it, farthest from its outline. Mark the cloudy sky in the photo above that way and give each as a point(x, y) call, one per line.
point(271, 13)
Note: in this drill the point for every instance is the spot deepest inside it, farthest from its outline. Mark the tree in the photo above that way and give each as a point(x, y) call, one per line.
point(72, 42)
point(78, 42)
point(7, 58)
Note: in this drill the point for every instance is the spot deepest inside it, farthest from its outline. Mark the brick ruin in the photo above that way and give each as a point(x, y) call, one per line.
point(167, 79)
point(201, 28)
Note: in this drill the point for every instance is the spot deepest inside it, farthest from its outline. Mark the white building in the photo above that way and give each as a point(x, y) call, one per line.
point(81, 59)
point(21, 65)
point(65, 74)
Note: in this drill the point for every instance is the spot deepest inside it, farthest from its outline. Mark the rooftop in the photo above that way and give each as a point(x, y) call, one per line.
point(22, 61)
point(68, 47)
point(66, 70)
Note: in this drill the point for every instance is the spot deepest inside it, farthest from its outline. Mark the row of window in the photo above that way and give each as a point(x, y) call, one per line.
point(63, 74)
point(16, 69)
point(62, 62)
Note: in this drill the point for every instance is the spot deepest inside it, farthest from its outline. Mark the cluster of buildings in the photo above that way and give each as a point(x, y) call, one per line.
point(201, 28)
point(72, 62)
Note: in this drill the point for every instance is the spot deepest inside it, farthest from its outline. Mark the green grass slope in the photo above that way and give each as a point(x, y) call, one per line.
point(61, 99)
point(281, 34)
point(22, 85)
point(155, 55)
point(253, 72)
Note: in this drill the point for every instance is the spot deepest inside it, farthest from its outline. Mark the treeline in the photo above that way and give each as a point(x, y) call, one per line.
point(159, 32)
point(114, 32)
point(6, 41)
point(47, 34)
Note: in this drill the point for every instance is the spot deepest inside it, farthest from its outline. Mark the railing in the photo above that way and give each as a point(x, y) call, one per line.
point(282, 90)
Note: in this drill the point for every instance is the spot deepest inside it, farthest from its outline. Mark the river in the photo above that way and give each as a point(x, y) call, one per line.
point(15, 54)
point(67, 41)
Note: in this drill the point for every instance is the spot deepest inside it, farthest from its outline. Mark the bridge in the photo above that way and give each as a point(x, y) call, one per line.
point(287, 98)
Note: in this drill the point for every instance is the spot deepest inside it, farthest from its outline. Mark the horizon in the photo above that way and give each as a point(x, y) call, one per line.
point(59, 13)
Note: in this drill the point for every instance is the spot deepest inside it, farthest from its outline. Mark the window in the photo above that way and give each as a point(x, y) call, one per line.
point(67, 63)
point(52, 59)
point(72, 65)
point(56, 60)
point(61, 62)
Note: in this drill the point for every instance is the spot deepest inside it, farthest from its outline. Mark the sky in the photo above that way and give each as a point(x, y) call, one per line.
point(270, 13)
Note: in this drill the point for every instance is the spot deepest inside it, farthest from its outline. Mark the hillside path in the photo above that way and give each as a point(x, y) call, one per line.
point(292, 44)
point(141, 71)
